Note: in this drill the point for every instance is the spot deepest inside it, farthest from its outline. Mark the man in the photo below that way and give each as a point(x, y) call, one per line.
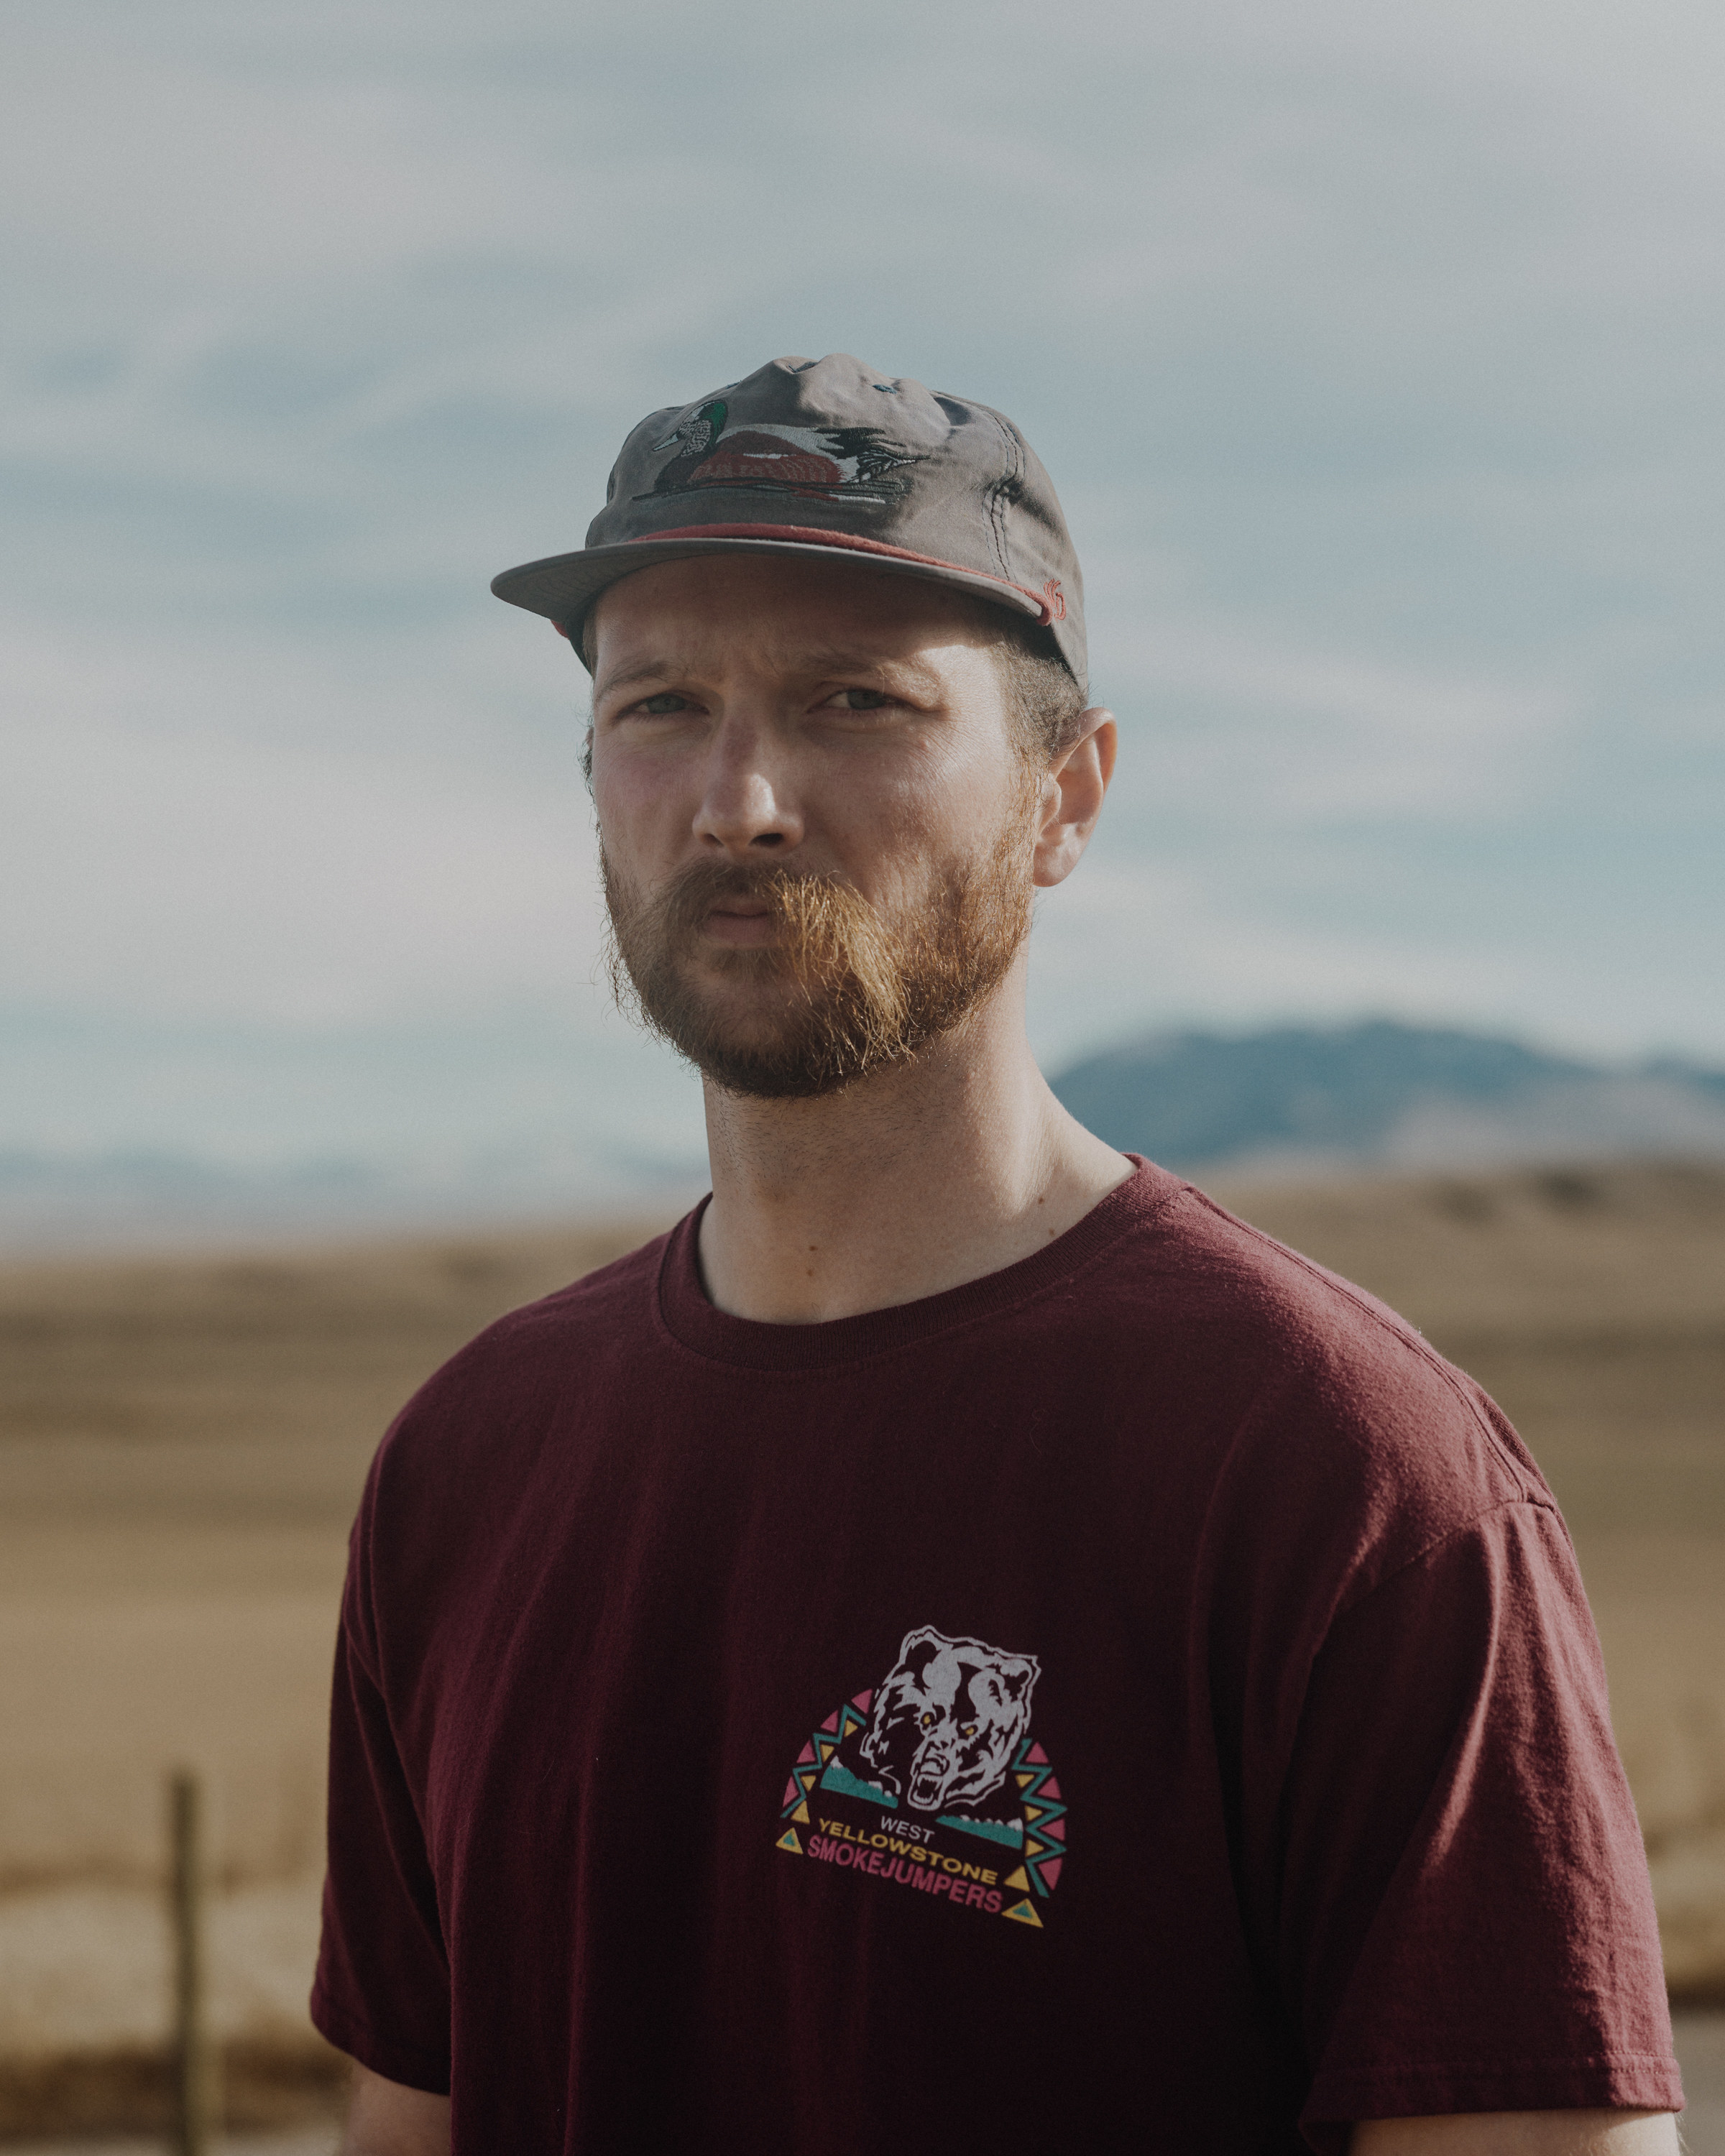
point(962, 1645)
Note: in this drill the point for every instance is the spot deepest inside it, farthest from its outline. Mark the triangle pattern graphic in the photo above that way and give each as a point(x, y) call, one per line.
point(1040, 1830)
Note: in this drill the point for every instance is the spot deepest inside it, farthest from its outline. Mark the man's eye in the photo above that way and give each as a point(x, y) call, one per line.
point(662, 706)
point(862, 700)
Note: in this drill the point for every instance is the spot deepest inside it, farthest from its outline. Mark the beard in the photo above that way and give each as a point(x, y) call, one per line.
point(859, 989)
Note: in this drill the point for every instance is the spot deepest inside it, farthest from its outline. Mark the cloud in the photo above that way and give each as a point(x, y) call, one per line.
point(1291, 737)
point(1373, 350)
point(164, 861)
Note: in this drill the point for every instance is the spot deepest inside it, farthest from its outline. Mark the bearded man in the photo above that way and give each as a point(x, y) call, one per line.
point(962, 1645)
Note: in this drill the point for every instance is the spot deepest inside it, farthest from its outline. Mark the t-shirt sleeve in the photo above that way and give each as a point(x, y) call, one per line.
point(1465, 1921)
point(381, 1992)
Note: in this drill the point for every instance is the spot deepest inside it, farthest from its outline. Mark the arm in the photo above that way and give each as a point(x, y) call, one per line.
point(1466, 1926)
point(1521, 2133)
point(384, 2118)
point(382, 1991)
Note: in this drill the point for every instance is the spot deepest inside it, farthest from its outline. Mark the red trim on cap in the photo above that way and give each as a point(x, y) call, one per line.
point(1050, 602)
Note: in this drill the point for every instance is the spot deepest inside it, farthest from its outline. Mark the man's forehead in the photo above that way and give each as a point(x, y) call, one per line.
point(715, 589)
point(809, 621)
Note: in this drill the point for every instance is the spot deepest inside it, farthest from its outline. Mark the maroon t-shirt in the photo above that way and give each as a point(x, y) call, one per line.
point(1143, 1699)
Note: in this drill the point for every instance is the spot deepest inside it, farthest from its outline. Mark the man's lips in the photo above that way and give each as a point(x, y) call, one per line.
point(741, 922)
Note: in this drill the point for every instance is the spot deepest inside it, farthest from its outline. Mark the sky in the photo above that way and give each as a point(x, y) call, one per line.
point(1375, 353)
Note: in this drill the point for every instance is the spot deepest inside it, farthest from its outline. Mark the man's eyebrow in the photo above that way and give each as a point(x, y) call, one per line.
point(822, 661)
point(826, 659)
point(643, 670)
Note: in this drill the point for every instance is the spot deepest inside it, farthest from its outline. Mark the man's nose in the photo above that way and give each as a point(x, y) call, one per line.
point(746, 808)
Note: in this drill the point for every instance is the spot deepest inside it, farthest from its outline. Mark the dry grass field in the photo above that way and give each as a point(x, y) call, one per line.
point(181, 1443)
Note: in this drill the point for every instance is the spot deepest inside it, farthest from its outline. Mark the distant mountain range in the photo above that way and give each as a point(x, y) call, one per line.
point(1298, 1099)
point(1293, 1101)
point(136, 1200)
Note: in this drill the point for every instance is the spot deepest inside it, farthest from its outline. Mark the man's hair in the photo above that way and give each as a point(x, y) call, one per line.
point(1044, 702)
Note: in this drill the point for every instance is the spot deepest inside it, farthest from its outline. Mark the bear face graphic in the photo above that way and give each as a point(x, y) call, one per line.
point(945, 1722)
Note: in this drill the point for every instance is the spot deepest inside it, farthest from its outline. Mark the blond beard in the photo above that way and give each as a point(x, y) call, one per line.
point(864, 990)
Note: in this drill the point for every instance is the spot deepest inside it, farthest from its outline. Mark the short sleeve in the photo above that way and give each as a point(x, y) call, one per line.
point(1464, 1920)
point(381, 1992)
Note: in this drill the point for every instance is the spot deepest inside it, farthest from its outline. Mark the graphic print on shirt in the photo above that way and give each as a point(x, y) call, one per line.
point(933, 1780)
point(836, 464)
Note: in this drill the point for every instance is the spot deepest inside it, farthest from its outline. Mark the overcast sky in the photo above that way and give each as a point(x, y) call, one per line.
point(1375, 351)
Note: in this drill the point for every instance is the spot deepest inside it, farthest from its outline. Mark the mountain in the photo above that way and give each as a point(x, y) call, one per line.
point(59, 1204)
point(1292, 1102)
point(1386, 1095)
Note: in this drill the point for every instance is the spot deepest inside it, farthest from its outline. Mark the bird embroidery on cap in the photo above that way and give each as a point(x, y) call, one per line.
point(832, 463)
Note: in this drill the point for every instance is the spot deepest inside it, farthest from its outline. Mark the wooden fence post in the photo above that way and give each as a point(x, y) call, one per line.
point(194, 2060)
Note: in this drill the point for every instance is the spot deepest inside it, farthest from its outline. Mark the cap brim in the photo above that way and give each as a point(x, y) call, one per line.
point(562, 587)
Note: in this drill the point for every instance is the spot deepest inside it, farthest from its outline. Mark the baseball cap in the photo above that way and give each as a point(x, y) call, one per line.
point(818, 456)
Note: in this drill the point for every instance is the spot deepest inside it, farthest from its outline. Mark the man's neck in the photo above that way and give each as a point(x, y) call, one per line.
point(917, 1179)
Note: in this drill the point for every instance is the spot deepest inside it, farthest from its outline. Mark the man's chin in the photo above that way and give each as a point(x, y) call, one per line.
point(763, 1056)
point(753, 1078)
point(755, 1033)
point(750, 1008)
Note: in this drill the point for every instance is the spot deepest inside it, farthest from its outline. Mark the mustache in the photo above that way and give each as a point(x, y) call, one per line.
point(692, 894)
point(831, 938)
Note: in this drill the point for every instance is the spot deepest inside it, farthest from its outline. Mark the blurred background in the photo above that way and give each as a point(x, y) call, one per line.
point(1375, 353)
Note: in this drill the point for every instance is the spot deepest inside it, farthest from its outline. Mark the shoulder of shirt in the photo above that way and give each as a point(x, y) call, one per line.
point(597, 1299)
point(1345, 1409)
point(546, 1342)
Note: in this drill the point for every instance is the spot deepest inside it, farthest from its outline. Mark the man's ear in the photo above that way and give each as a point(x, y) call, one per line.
point(1073, 789)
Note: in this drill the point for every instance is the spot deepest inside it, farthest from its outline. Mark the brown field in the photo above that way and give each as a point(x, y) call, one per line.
point(181, 1443)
